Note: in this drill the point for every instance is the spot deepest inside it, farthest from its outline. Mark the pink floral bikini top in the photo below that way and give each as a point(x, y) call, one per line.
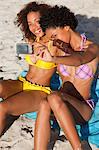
point(83, 71)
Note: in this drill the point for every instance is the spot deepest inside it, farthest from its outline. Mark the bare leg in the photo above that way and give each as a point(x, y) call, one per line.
point(75, 99)
point(2, 120)
point(65, 118)
point(9, 88)
point(23, 102)
point(42, 127)
point(61, 102)
point(9, 121)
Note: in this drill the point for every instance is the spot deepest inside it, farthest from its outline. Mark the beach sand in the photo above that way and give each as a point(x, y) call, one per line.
point(20, 135)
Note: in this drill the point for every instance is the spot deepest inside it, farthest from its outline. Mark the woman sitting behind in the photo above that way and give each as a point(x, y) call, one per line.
point(72, 104)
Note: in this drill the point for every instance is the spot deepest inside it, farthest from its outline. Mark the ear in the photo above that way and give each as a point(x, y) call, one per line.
point(67, 28)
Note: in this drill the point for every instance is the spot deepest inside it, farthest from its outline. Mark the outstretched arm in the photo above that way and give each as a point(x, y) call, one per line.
point(77, 58)
point(74, 58)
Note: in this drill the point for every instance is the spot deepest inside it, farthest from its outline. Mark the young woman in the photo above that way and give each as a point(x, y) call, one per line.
point(72, 104)
point(26, 94)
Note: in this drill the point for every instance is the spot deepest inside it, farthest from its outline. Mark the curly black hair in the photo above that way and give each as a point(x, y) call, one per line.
point(21, 19)
point(58, 16)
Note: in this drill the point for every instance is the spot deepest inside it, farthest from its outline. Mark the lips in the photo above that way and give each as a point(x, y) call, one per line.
point(38, 31)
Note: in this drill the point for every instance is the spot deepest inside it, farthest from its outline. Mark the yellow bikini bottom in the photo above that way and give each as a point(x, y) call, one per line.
point(31, 86)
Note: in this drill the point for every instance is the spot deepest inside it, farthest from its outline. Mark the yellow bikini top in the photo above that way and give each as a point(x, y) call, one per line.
point(40, 63)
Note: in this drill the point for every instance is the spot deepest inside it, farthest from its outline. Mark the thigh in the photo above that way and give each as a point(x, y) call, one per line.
point(9, 87)
point(77, 103)
point(23, 102)
point(77, 116)
point(70, 89)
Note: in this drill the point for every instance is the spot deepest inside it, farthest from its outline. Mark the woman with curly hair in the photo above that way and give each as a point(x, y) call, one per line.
point(24, 23)
point(72, 104)
point(26, 94)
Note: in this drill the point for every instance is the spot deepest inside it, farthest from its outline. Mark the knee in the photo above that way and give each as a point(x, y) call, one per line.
point(44, 107)
point(53, 97)
point(55, 100)
point(67, 87)
point(1, 88)
point(3, 110)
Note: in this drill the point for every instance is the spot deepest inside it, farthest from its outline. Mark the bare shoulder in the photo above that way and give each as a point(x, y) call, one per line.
point(89, 53)
point(92, 48)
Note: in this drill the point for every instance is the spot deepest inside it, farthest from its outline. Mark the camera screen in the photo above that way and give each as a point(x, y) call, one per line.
point(23, 48)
